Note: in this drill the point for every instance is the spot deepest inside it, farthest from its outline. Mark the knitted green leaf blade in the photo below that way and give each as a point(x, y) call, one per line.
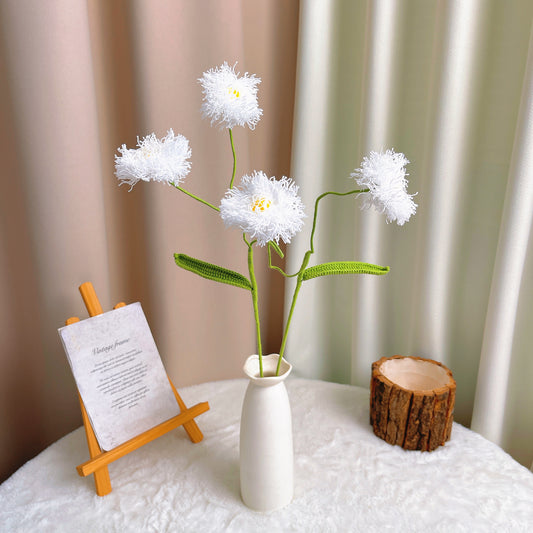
point(343, 267)
point(213, 272)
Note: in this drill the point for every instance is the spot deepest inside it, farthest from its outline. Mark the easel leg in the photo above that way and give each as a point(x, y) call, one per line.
point(102, 481)
point(191, 427)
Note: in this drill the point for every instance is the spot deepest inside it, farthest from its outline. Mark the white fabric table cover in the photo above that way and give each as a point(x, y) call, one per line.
point(346, 479)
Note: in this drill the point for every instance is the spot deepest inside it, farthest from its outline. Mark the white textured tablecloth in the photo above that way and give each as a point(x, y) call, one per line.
point(346, 479)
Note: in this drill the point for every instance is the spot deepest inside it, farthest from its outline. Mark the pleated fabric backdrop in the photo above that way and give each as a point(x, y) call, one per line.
point(77, 80)
point(446, 82)
point(449, 83)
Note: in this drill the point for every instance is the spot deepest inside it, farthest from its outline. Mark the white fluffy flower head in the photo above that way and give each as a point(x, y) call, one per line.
point(164, 160)
point(265, 208)
point(230, 100)
point(384, 174)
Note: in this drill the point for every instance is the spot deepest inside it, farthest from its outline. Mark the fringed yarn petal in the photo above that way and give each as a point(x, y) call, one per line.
point(264, 208)
point(165, 160)
point(230, 100)
point(384, 174)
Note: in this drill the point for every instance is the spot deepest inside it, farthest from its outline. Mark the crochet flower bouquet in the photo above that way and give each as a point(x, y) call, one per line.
point(264, 209)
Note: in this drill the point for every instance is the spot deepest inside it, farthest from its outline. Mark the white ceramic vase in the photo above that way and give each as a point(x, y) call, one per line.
point(266, 451)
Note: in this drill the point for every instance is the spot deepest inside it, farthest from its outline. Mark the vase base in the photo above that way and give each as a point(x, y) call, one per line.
point(263, 508)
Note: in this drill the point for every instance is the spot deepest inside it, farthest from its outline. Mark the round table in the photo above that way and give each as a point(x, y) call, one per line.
point(346, 479)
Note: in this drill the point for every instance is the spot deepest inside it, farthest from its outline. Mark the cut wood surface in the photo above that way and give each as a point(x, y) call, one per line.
point(411, 402)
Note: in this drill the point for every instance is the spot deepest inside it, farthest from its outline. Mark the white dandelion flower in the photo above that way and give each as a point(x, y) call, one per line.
point(265, 208)
point(164, 160)
point(384, 174)
point(230, 100)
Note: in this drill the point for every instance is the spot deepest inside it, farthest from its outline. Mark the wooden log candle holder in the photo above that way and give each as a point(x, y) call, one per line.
point(411, 402)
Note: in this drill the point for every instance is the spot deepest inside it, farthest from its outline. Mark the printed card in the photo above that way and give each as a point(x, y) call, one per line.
point(119, 373)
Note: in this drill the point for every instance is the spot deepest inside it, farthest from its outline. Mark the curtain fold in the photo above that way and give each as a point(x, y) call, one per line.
point(454, 92)
point(493, 389)
point(81, 79)
point(382, 28)
point(56, 156)
point(442, 82)
point(446, 82)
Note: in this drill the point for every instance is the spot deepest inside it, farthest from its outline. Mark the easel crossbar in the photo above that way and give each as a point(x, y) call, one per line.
point(104, 458)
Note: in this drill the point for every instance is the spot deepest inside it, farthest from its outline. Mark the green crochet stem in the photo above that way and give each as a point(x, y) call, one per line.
point(299, 281)
point(357, 191)
point(300, 274)
point(234, 158)
point(255, 299)
point(271, 245)
point(197, 198)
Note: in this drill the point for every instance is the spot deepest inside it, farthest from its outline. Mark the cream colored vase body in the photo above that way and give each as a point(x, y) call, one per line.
point(266, 451)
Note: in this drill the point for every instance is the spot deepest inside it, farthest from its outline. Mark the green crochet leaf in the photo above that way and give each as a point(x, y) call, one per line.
point(343, 267)
point(213, 272)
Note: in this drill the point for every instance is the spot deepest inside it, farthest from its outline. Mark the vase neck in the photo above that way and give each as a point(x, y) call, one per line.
point(270, 364)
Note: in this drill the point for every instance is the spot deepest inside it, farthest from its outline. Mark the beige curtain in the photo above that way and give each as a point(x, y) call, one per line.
point(446, 82)
point(450, 84)
point(78, 79)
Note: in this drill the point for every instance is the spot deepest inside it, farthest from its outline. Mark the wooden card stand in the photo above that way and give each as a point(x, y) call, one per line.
point(97, 465)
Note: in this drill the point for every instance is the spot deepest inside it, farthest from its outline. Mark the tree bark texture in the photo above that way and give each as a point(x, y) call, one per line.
point(415, 419)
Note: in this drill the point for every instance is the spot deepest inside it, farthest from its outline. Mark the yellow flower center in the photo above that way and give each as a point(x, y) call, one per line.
point(149, 151)
point(233, 92)
point(260, 204)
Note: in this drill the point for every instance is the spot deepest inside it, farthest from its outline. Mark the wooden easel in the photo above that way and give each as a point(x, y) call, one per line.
point(97, 465)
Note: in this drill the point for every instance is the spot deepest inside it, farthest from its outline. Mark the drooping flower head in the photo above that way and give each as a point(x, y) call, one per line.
point(164, 160)
point(265, 208)
point(230, 100)
point(384, 174)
